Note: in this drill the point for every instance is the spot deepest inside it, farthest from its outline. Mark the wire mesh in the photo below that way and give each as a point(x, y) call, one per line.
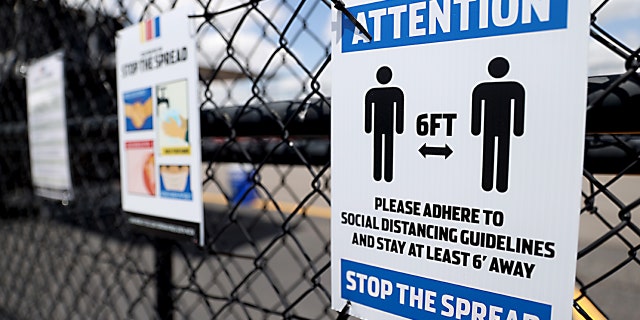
point(265, 88)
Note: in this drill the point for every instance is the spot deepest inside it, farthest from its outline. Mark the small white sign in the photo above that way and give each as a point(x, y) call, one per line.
point(47, 124)
point(457, 145)
point(159, 126)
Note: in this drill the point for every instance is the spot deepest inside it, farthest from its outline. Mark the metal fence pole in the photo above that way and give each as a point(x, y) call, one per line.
point(164, 286)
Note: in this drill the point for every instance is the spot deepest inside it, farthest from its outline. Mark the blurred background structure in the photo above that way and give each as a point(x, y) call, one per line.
point(265, 84)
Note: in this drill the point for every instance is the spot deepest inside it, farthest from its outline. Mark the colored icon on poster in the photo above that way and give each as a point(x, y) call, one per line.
point(149, 30)
point(141, 168)
point(173, 114)
point(175, 182)
point(138, 109)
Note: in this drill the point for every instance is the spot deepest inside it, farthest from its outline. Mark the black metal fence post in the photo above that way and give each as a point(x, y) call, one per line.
point(164, 287)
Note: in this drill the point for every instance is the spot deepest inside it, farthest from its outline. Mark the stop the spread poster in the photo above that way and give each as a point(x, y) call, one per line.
point(159, 119)
point(457, 135)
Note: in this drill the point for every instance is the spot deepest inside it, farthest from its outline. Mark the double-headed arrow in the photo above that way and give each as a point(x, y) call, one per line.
point(435, 151)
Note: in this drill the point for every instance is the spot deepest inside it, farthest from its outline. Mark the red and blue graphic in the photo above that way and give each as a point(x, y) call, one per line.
point(150, 29)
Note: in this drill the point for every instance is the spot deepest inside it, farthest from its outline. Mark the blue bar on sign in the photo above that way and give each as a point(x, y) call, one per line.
point(415, 297)
point(157, 27)
point(395, 23)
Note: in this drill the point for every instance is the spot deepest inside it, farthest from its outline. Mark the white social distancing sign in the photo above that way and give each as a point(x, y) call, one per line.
point(457, 144)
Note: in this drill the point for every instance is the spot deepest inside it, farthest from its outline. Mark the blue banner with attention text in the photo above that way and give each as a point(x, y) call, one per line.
point(395, 23)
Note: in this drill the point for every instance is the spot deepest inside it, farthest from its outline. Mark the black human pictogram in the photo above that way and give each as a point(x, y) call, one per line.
point(385, 104)
point(494, 101)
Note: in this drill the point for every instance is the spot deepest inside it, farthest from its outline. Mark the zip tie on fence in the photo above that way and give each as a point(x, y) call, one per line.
point(344, 313)
point(633, 61)
point(340, 6)
point(303, 113)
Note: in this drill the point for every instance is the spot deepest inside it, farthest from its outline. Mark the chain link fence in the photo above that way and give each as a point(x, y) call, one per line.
point(265, 109)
